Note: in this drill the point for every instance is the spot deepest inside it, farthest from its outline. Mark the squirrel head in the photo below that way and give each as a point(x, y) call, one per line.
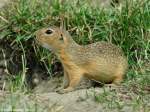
point(53, 38)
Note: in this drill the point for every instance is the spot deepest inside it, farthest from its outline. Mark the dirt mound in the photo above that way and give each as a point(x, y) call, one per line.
point(43, 98)
point(77, 101)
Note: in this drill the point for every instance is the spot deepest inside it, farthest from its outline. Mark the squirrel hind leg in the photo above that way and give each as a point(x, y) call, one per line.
point(115, 83)
point(118, 79)
point(119, 75)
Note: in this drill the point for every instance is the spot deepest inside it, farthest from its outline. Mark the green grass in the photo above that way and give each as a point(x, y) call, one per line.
point(128, 28)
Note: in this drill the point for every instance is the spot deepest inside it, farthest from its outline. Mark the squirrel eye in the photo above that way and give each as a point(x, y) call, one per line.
point(49, 31)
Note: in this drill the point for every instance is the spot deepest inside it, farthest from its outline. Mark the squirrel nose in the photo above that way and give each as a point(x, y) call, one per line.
point(49, 31)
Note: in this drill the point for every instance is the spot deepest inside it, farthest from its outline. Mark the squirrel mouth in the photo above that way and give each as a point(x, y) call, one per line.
point(43, 45)
point(47, 46)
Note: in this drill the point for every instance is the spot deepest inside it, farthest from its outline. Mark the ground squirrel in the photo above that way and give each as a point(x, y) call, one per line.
point(100, 61)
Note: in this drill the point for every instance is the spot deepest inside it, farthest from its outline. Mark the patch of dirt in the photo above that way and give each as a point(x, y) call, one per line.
point(77, 101)
point(83, 100)
point(105, 4)
point(3, 3)
point(89, 99)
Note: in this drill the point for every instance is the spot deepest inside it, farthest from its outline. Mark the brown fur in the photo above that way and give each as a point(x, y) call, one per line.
point(100, 61)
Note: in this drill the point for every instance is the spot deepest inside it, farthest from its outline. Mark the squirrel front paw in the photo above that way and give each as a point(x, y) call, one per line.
point(62, 91)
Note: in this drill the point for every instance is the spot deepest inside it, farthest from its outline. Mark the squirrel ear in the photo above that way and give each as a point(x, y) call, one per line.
point(61, 37)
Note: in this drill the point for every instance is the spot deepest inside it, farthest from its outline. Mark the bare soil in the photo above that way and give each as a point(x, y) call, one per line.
point(100, 99)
